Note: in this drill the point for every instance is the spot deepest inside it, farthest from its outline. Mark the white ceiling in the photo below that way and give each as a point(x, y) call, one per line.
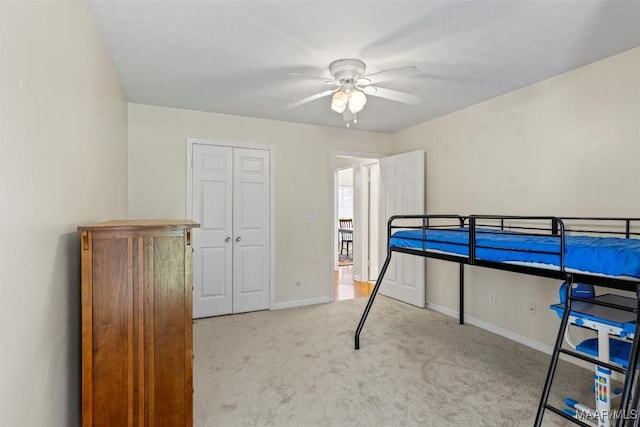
point(234, 57)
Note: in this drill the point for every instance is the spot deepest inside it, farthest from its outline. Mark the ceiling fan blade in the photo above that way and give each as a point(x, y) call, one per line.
point(383, 76)
point(327, 80)
point(393, 95)
point(310, 98)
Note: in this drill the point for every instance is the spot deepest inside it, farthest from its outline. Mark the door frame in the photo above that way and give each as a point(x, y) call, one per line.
point(372, 233)
point(190, 142)
point(357, 225)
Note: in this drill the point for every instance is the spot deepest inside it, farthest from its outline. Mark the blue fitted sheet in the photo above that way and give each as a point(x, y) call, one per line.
point(613, 256)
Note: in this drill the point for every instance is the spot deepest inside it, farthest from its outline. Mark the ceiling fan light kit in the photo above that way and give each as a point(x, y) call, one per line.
point(350, 98)
point(357, 100)
point(339, 101)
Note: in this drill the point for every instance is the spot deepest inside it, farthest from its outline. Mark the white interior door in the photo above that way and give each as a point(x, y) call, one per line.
point(230, 198)
point(251, 230)
point(402, 193)
point(212, 192)
point(374, 220)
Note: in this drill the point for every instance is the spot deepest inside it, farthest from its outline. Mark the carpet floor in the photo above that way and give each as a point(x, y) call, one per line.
point(297, 367)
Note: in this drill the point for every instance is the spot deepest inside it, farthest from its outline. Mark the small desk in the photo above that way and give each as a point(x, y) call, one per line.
point(606, 321)
point(616, 322)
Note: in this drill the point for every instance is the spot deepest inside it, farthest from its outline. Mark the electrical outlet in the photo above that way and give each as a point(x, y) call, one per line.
point(298, 282)
point(492, 298)
point(532, 308)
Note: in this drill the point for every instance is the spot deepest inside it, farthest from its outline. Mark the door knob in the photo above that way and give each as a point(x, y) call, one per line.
point(228, 239)
point(238, 238)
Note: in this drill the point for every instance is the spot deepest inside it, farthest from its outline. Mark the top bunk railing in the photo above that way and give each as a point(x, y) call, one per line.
point(554, 229)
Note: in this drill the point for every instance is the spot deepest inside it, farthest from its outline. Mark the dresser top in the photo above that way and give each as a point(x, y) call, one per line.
point(132, 224)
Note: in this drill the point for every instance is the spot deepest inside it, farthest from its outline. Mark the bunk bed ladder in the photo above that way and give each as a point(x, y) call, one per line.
point(626, 405)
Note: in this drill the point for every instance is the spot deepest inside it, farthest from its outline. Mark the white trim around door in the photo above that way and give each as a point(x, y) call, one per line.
point(269, 159)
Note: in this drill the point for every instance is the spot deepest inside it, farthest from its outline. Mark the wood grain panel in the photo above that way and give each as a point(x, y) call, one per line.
point(138, 338)
point(149, 332)
point(169, 328)
point(110, 332)
point(188, 330)
point(87, 329)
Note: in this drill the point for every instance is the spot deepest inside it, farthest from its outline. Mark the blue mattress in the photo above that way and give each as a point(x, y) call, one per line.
point(611, 256)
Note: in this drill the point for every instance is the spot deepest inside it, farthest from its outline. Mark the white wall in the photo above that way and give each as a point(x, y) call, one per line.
point(63, 162)
point(302, 178)
point(568, 146)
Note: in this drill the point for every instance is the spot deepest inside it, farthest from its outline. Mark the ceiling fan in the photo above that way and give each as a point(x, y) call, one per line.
point(352, 87)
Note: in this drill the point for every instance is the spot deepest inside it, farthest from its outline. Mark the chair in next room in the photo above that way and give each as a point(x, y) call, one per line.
point(346, 234)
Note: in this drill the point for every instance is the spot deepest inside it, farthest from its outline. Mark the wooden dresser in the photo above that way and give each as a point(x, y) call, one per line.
point(137, 350)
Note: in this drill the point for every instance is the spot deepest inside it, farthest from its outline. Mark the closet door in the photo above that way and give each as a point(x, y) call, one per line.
point(250, 230)
point(230, 198)
point(212, 198)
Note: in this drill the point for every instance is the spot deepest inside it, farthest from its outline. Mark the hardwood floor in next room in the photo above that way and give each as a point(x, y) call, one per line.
point(344, 287)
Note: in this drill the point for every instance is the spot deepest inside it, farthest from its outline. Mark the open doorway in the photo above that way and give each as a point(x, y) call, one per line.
point(355, 202)
point(344, 201)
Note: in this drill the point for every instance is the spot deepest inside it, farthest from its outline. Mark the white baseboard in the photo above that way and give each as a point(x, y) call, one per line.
point(516, 337)
point(300, 303)
point(495, 329)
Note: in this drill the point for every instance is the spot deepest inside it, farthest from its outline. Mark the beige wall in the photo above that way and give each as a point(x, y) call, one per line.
point(63, 162)
point(302, 180)
point(566, 146)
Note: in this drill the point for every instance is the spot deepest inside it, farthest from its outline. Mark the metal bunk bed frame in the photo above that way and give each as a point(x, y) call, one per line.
point(557, 229)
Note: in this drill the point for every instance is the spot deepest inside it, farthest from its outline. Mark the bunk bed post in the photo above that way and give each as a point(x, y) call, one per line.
point(556, 352)
point(627, 411)
point(472, 240)
point(461, 285)
point(461, 314)
point(635, 406)
point(627, 231)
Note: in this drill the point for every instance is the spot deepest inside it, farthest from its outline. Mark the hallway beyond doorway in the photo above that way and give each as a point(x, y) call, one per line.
point(344, 287)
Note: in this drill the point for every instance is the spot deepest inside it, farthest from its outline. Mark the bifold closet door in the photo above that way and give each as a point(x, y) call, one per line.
point(212, 205)
point(250, 230)
point(230, 199)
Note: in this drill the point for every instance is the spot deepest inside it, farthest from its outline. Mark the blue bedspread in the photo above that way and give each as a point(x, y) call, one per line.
point(612, 256)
